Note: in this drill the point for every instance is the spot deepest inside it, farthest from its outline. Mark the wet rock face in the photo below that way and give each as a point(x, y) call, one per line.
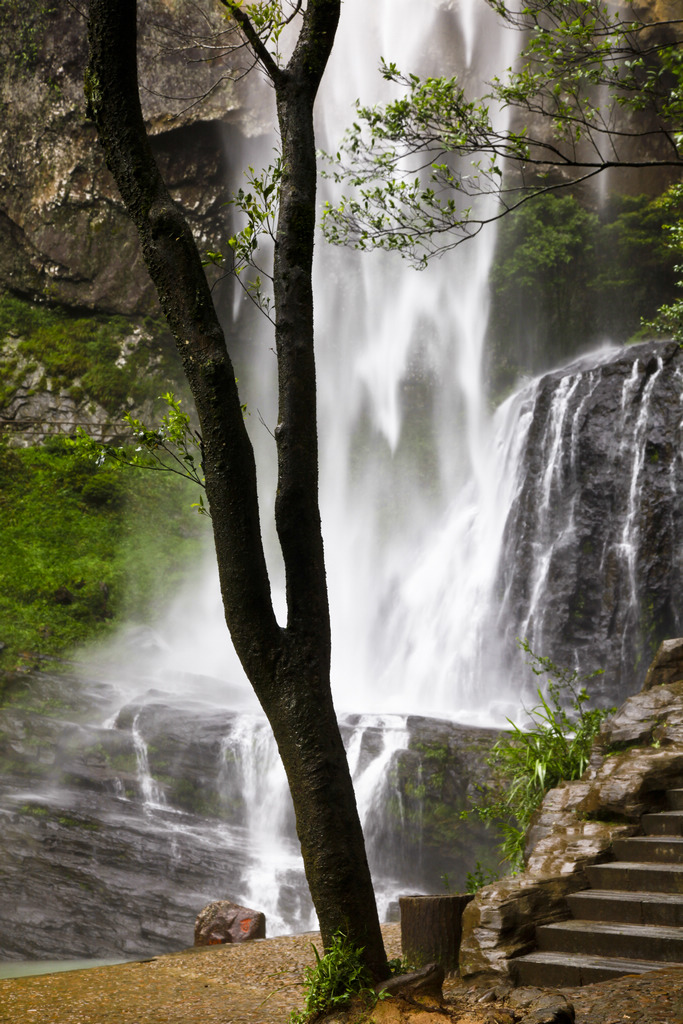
point(64, 234)
point(591, 570)
point(427, 786)
point(121, 820)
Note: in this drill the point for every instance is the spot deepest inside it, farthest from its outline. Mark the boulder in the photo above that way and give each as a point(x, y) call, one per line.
point(667, 666)
point(427, 983)
point(653, 716)
point(500, 921)
point(563, 574)
point(223, 921)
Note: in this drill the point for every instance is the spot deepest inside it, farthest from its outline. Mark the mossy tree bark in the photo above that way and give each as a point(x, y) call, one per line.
point(289, 667)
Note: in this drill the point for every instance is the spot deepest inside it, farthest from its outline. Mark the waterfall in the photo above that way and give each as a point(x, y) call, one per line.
point(408, 446)
point(449, 530)
point(152, 796)
point(590, 562)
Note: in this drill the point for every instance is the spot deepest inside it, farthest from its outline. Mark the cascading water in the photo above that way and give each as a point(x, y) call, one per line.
point(151, 794)
point(591, 557)
point(448, 532)
point(406, 440)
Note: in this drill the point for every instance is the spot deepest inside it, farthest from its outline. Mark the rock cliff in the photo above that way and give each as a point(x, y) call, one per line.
point(64, 235)
point(121, 821)
point(591, 568)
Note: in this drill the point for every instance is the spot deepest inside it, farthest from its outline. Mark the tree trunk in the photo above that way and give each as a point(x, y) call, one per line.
point(431, 929)
point(288, 668)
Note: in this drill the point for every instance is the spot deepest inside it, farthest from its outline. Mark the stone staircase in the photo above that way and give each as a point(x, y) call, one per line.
point(629, 921)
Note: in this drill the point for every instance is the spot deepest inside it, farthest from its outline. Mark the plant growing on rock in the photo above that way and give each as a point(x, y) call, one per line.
point(526, 763)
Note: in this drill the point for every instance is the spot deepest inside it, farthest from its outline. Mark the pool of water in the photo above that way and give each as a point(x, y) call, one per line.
point(23, 968)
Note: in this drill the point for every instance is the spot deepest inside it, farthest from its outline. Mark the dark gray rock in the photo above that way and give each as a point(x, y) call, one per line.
point(103, 855)
point(591, 573)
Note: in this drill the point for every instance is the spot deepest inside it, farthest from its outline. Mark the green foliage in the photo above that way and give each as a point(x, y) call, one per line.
point(337, 976)
point(172, 447)
point(268, 18)
point(480, 877)
point(259, 206)
point(527, 763)
point(84, 546)
point(565, 277)
point(83, 355)
point(669, 318)
point(540, 279)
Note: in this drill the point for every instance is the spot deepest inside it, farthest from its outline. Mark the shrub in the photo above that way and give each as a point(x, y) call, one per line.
point(526, 763)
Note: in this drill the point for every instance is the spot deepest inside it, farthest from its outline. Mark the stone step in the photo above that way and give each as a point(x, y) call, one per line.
point(674, 798)
point(652, 849)
point(627, 941)
point(636, 877)
point(657, 908)
point(554, 970)
point(663, 823)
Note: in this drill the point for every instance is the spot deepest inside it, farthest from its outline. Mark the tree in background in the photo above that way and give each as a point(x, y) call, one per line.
point(288, 667)
point(594, 89)
point(565, 276)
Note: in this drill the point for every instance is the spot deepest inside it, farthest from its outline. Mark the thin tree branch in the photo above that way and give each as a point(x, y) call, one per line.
point(257, 45)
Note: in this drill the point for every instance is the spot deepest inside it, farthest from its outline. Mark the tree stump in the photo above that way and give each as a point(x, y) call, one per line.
point(431, 929)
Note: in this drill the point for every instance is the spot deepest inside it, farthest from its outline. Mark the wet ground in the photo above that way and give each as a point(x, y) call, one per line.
point(259, 983)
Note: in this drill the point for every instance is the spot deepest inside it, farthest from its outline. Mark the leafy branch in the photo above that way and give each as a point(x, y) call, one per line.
point(262, 23)
point(417, 166)
point(259, 205)
point(172, 447)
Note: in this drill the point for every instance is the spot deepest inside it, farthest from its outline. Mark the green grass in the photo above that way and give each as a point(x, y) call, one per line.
point(84, 548)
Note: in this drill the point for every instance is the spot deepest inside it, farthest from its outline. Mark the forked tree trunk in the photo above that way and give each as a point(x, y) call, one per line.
point(288, 668)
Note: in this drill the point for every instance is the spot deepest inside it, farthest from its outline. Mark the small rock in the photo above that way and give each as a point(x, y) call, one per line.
point(525, 997)
point(223, 921)
point(550, 1008)
point(488, 997)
